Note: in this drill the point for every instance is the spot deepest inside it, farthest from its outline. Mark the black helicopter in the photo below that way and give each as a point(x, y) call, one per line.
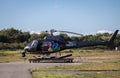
point(52, 44)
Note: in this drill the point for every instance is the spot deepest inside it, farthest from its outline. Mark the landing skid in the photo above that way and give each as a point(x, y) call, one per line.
point(45, 60)
point(61, 59)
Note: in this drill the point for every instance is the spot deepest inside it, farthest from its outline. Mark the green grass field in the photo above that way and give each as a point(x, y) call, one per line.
point(64, 71)
point(93, 60)
point(10, 56)
point(85, 55)
point(87, 66)
point(102, 75)
point(52, 72)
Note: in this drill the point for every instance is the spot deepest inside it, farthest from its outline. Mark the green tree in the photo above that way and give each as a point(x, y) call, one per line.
point(43, 34)
point(13, 35)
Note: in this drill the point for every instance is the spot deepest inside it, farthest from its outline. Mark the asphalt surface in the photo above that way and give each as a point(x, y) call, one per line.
point(20, 69)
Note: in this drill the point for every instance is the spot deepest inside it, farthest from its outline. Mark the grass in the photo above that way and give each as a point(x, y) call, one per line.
point(79, 52)
point(10, 56)
point(87, 67)
point(52, 72)
point(85, 55)
point(92, 59)
point(8, 52)
point(36, 75)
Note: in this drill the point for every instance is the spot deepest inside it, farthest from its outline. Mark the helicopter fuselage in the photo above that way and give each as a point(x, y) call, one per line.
point(52, 44)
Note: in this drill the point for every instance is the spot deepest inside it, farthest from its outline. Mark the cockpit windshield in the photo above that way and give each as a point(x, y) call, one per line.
point(30, 43)
point(33, 43)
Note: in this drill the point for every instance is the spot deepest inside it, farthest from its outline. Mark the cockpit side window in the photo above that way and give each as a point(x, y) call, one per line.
point(34, 43)
point(39, 46)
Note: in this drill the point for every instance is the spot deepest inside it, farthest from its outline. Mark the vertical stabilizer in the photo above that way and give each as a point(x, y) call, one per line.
point(113, 36)
point(110, 43)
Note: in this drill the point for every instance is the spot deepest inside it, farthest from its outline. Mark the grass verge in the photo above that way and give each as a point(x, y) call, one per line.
point(10, 56)
point(52, 72)
point(117, 75)
point(9, 52)
point(88, 66)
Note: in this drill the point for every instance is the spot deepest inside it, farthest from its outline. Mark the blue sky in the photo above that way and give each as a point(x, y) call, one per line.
point(81, 16)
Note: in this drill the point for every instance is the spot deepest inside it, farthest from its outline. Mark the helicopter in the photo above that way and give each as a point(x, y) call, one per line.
point(53, 44)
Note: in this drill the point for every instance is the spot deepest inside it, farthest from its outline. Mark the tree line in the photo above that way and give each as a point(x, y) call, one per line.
point(16, 39)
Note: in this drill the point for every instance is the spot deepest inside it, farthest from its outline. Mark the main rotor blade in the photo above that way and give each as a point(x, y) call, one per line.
point(71, 32)
point(53, 30)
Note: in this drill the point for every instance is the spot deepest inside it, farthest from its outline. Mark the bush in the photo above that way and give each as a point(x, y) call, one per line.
point(12, 46)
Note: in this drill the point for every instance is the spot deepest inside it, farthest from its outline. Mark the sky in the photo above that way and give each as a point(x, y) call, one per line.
point(80, 16)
